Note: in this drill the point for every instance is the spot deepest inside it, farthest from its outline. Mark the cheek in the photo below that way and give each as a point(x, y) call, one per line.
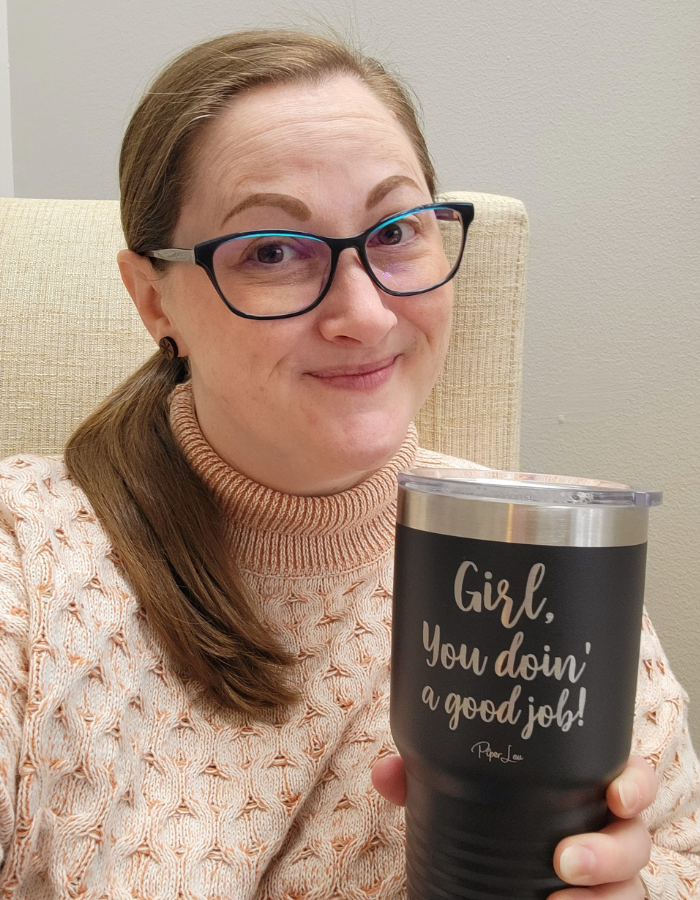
point(238, 360)
point(192, 304)
point(216, 338)
point(235, 357)
point(430, 315)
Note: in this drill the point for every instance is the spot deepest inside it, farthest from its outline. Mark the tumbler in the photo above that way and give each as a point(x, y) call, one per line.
point(515, 650)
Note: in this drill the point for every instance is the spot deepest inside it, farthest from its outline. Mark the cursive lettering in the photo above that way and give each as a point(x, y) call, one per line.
point(485, 601)
point(447, 654)
point(528, 666)
point(470, 708)
point(483, 748)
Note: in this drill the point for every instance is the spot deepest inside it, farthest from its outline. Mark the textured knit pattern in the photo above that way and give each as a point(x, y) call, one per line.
point(69, 332)
point(118, 780)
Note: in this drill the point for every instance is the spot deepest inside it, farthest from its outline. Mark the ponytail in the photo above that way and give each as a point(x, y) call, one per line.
point(167, 531)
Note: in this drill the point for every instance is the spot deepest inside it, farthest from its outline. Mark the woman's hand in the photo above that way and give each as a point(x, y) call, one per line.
point(606, 862)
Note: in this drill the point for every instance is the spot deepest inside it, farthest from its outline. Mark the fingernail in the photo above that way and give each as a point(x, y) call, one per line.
point(575, 863)
point(628, 790)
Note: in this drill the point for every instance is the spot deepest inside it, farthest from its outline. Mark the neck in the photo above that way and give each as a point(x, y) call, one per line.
point(275, 533)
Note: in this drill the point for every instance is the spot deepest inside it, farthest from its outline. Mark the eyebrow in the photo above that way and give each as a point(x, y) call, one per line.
point(294, 207)
point(301, 211)
point(385, 187)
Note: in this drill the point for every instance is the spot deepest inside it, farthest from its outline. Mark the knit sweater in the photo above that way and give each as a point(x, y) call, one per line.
point(119, 779)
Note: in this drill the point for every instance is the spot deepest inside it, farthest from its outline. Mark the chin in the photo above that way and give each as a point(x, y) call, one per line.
point(366, 446)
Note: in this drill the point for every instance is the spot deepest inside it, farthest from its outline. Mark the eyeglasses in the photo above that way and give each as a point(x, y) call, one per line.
point(280, 274)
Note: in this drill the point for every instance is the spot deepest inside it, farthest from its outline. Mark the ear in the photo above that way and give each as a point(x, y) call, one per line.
point(146, 286)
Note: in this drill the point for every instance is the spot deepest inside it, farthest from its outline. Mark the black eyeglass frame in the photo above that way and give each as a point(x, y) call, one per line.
point(203, 254)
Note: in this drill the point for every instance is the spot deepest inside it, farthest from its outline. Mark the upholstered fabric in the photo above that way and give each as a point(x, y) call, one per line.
point(69, 332)
point(474, 410)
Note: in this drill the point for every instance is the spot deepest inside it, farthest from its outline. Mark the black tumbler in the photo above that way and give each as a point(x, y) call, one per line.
point(515, 650)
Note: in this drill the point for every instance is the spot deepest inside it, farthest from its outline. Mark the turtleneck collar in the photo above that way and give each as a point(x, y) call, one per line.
point(284, 534)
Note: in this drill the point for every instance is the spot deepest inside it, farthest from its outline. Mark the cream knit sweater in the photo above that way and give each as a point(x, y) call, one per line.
point(119, 780)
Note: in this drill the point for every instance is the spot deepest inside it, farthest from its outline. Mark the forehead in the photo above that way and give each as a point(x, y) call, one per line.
point(337, 128)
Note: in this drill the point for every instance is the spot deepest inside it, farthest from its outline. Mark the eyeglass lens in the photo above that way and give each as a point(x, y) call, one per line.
point(274, 274)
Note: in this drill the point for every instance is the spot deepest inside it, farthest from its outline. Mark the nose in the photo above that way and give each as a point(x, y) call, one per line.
point(354, 310)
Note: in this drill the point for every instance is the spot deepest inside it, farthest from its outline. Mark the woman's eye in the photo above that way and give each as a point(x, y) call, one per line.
point(273, 253)
point(395, 233)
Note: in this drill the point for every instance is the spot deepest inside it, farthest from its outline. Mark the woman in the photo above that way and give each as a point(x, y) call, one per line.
point(194, 633)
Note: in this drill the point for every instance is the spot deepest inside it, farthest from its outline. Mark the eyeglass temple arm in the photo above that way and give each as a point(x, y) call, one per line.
point(172, 255)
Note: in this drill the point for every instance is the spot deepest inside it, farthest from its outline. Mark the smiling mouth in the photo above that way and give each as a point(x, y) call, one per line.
point(358, 377)
point(355, 370)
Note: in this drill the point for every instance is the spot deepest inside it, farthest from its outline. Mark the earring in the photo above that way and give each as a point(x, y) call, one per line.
point(168, 347)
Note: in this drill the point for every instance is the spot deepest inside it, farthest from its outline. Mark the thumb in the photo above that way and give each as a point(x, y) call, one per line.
point(389, 779)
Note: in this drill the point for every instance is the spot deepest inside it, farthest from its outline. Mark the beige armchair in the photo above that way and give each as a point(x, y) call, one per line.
point(69, 332)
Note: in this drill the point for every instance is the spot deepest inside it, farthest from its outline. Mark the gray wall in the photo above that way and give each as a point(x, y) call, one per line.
point(6, 185)
point(588, 112)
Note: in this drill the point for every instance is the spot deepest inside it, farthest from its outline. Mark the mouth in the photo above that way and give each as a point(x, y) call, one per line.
point(364, 377)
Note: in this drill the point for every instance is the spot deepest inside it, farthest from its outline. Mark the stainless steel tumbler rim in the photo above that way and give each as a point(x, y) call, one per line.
point(524, 508)
point(523, 523)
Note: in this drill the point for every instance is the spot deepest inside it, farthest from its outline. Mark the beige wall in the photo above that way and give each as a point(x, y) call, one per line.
point(586, 111)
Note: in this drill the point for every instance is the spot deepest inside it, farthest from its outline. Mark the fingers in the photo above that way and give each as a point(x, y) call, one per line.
point(610, 860)
point(633, 790)
point(632, 889)
point(617, 853)
point(389, 778)
point(607, 862)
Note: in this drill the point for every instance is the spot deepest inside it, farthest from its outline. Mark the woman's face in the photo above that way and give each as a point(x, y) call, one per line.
point(316, 403)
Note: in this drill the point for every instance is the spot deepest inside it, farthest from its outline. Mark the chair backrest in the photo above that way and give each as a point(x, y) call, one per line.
point(69, 332)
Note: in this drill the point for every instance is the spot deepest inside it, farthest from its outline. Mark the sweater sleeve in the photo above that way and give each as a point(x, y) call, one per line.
point(14, 622)
point(661, 736)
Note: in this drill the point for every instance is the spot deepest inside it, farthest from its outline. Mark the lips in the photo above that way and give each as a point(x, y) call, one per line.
point(365, 377)
point(350, 371)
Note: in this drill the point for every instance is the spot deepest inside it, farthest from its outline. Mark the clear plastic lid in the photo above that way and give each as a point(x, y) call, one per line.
point(526, 487)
